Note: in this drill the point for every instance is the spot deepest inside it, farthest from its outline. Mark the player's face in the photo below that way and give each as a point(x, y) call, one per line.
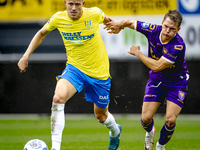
point(169, 29)
point(74, 8)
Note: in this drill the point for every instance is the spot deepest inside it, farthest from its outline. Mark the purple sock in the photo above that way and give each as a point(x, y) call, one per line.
point(147, 126)
point(166, 134)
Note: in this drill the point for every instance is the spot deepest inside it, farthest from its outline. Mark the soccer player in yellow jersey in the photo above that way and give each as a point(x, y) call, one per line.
point(87, 66)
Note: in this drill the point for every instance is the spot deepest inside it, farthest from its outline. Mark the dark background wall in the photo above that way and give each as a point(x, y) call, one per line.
point(32, 92)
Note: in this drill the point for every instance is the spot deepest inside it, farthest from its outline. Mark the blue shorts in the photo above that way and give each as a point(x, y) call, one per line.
point(96, 91)
point(156, 92)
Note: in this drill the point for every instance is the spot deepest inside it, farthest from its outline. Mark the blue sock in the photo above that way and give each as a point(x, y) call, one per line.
point(166, 134)
point(147, 126)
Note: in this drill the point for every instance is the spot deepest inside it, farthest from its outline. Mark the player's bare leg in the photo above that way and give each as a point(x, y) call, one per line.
point(148, 111)
point(108, 120)
point(63, 92)
point(172, 112)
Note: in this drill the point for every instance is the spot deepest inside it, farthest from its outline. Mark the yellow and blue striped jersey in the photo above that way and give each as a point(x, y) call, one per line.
point(83, 42)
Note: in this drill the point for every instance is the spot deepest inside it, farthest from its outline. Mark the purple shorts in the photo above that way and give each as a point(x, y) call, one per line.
point(156, 92)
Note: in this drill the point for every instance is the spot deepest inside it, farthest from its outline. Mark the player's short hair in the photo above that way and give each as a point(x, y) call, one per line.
point(174, 15)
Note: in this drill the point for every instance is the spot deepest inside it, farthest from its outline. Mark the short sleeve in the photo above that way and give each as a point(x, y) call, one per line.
point(99, 14)
point(102, 15)
point(175, 52)
point(51, 24)
point(148, 29)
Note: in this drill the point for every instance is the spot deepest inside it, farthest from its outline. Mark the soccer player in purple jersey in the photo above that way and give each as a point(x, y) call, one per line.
point(167, 69)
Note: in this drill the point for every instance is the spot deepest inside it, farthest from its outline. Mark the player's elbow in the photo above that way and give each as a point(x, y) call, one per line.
point(160, 65)
point(156, 69)
point(42, 35)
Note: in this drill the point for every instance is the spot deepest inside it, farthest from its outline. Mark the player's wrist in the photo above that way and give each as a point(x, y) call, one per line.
point(25, 57)
point(138, 53)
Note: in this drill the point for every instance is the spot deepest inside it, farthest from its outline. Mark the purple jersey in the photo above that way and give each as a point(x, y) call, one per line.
point(174, 51)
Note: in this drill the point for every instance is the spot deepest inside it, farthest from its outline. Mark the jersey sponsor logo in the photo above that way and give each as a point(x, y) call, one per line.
point(171, 56)
point(102, 103)
point(145, 25)
point(103, 97)
point(189, 6)
point(76, 37)
point(68, 26)
point(166, 52)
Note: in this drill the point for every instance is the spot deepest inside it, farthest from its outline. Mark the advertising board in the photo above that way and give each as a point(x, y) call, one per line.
point(37, 10)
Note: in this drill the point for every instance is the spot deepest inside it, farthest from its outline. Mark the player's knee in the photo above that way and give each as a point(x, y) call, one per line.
point(58, 99)
point(101, 118)
point(170, 121)
point(146, 118)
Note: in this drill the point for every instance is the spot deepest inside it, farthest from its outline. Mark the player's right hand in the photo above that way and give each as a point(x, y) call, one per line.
point(23, 64)
point(134, 49)
point(113, 27)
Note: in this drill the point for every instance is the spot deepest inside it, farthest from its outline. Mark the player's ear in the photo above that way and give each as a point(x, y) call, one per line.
point(65, 2)
point(179, 29)
point(83, 3)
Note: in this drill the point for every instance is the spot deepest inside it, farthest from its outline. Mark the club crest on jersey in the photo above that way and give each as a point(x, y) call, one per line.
point(181, 95)
point(88, 23)
point(145, 25)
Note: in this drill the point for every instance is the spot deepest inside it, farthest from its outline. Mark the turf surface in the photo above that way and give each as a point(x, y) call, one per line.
point(85, 133)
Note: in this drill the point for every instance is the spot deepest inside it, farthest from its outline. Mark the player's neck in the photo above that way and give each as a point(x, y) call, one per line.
point(164, 39)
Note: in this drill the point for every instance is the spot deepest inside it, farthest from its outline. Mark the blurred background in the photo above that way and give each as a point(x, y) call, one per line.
point(32, 92)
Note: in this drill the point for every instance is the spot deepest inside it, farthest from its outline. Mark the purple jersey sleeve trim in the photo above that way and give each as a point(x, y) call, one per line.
point(172, 62)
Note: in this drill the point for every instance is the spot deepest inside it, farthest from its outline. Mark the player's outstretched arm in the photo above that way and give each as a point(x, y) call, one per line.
point(107, 22)
point(116, 26)
point(36, 41)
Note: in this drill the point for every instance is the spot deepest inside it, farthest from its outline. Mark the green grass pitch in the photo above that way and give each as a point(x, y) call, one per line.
point(86, 133)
